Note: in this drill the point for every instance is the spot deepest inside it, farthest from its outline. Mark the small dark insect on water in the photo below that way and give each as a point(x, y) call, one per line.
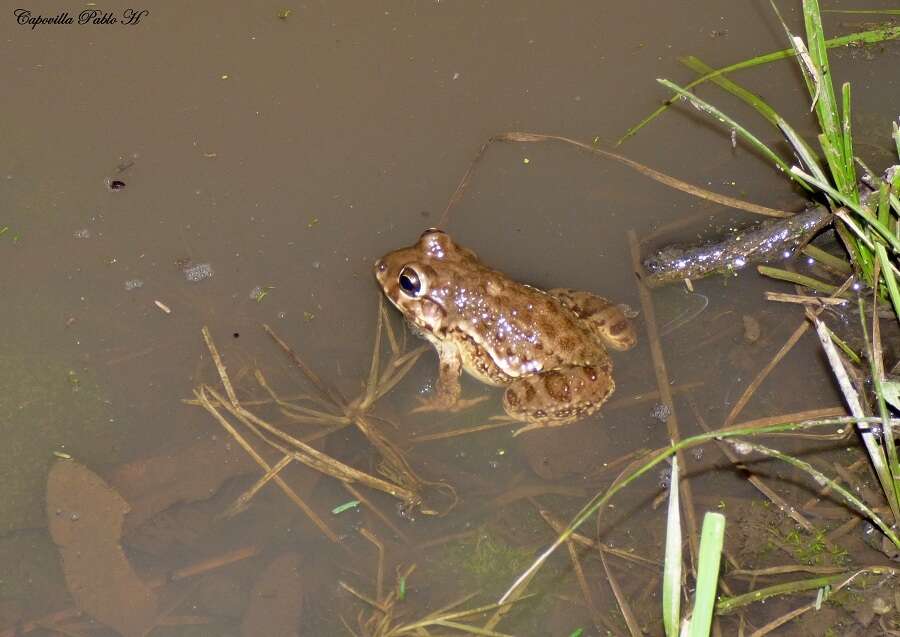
point(116, 184)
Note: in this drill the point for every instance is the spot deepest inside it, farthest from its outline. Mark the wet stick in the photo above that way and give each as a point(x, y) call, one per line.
point(288, 491)
point(600, 622)
point(662, 383)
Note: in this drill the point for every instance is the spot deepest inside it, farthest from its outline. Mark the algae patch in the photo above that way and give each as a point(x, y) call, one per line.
point(46, 406)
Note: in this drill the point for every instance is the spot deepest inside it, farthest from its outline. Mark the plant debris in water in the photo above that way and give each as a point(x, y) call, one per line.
point(85, 517)
point(766, 241)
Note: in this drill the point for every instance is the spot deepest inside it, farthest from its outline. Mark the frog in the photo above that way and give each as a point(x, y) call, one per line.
point(548, 348)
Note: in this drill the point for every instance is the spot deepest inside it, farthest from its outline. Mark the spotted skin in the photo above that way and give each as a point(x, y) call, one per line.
point(547, 348)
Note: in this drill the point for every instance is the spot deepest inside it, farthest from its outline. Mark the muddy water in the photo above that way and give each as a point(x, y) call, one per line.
point(288, 153)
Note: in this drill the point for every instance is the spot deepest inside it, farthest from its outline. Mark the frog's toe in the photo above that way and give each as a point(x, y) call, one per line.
point(438, 404)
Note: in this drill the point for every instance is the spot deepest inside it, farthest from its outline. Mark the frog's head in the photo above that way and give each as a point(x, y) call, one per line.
point(417, 279)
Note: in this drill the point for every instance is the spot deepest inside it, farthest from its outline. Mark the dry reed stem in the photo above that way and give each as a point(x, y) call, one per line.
point(379, 581)
point(330, 395)
point(557, 525)
point(444, 435)
point(393, 464)
point(243, 500)
point(630, 620)
point(312, 457)
point(790, 568)
point(596, 616)
point(376, 511)
point(288, 491)
point(782, 297)
point(665, 393)
point(672, 182)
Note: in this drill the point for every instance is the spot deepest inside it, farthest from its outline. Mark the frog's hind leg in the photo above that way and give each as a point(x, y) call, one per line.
point(560, 396)
point(606, 319)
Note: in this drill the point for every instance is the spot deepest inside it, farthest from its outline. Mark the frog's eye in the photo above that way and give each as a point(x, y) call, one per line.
point(410, 282)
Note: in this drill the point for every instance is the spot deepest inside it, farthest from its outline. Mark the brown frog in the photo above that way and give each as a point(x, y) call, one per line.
point(548, 348)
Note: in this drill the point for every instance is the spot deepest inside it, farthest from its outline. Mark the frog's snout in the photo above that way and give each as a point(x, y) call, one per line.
point(380, 267)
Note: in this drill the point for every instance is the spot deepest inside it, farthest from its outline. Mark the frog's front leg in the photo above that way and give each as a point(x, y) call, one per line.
point(447, 391)
point(559, 396)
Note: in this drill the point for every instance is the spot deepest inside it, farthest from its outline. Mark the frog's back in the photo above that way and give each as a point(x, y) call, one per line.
point(507, 329)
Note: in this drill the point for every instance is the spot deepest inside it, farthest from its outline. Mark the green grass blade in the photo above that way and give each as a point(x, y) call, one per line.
point(876, 366)
point(873, 36)
point(826, 105)
point(749, 97)
point(796, 277)
point(801, 53)
point(849, 164)
point(855, 358)
point(869, 438)
point(714, 112)
point(803, 151)
point(711, 539)
point(730, 604)
point(835, 159)
point(671, 596)
point(883, 230)
point(827, 259)
point(801, 148)
point(824, 481)
point(601, 499)
point(884, 202)
point(895, 129)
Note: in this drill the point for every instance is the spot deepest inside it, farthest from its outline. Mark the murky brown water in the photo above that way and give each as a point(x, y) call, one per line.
point(290, 153)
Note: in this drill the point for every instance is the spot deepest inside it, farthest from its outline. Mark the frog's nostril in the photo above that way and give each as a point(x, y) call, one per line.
point(380, 266)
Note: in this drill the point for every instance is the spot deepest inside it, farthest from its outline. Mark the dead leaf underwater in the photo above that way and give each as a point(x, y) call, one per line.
point(85, 517)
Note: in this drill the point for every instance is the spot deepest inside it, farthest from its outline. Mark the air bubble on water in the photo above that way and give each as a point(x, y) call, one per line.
point(84, 233)
point(133, 284)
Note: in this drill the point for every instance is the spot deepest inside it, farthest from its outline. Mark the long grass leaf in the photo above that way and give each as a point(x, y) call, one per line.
point(730, 604)
point(849, 164)
point(711, 539)
point(873, 36)
point(851, 397)
point(796, 277)
point(884, 202)
point(822, 480)
point(749, 97)
point(835, 160)
point(889, 278)
point(803, 151)
point(714, 112)
point(895, 130)
point(883, 230)
point(671, 595)
point(601, 499)
point(830, 261)
point(876, 365)
point(826, 105)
